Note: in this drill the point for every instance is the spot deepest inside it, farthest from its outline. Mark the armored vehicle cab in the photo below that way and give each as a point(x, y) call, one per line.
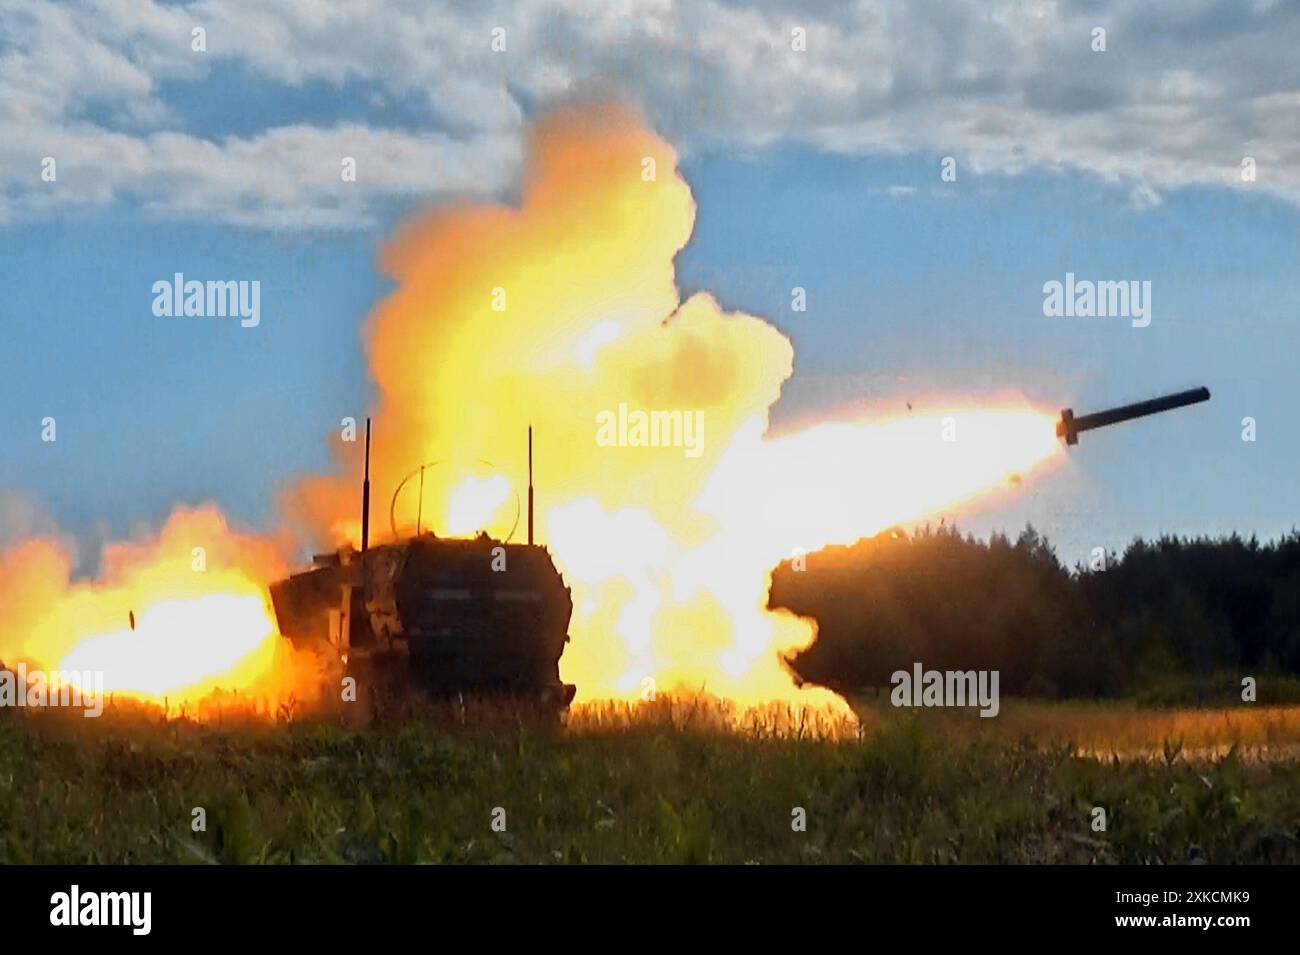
point(434, 614)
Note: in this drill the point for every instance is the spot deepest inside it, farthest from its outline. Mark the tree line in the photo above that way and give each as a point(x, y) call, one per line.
point(1167, 619)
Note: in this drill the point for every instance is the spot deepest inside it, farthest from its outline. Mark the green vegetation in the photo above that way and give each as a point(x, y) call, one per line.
point(664, 783)
point(1174, 621)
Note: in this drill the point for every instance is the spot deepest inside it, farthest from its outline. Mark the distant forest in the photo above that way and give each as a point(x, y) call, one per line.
point(1174, 620)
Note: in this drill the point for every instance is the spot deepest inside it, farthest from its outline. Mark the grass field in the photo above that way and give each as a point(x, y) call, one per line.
point(664, 783)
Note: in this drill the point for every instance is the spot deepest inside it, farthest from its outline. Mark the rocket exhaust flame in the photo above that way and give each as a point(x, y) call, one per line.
point(557, 314)
point(170, 620)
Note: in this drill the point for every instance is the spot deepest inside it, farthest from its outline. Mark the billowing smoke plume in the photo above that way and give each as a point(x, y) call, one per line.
point(658, 494)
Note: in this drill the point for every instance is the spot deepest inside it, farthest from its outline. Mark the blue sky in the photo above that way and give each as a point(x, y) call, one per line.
point(915, 286)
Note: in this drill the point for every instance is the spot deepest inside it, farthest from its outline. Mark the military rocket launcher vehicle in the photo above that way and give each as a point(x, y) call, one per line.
point(436, 615)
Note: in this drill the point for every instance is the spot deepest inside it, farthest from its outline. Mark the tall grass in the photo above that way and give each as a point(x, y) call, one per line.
point(681, 781)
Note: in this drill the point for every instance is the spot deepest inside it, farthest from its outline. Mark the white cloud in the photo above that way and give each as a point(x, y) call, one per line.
point(1143, 197)
point(1185, 89)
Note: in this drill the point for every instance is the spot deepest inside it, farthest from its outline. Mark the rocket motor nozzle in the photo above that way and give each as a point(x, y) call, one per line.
point(1065, 427)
